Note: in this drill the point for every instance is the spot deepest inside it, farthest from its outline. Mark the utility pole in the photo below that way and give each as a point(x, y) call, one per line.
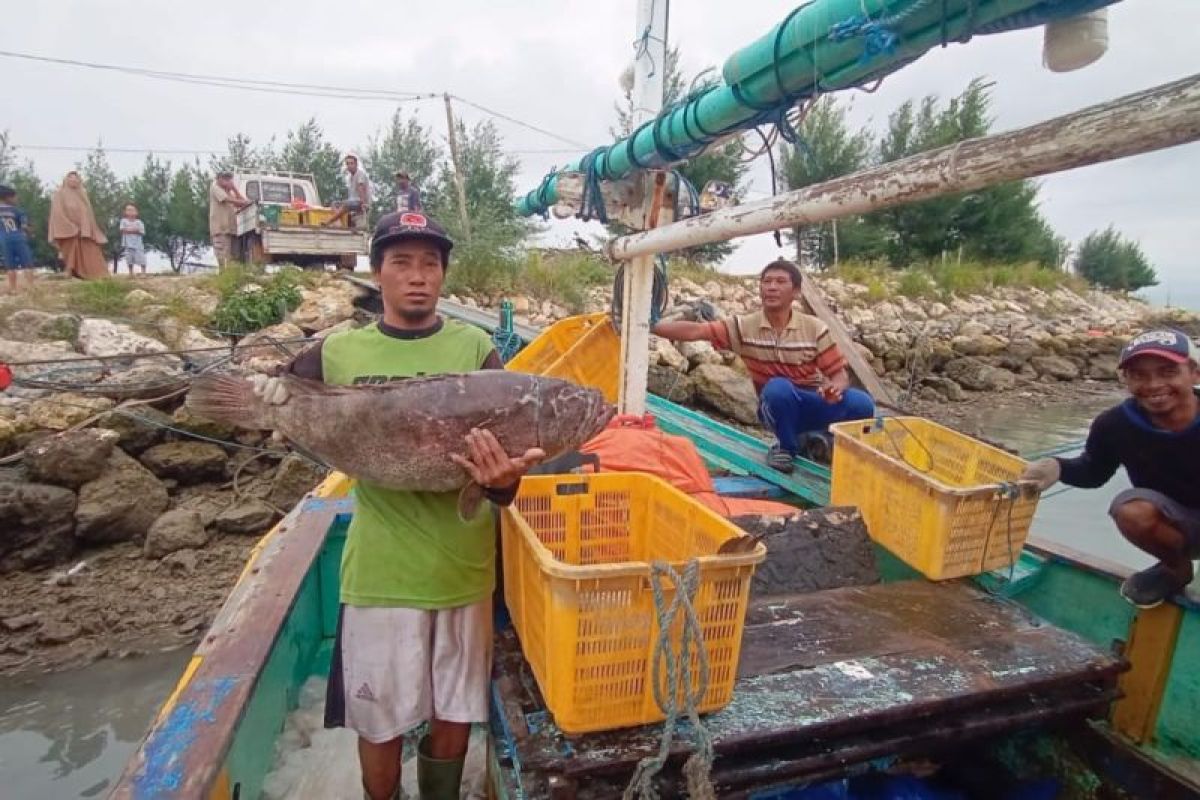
point(649, 72)
point(452, 134)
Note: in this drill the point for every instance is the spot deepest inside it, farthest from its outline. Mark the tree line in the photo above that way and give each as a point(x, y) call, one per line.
point(1000, 224)
point(172, 197)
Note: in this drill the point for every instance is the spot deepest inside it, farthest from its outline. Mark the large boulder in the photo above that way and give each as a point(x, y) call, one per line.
point(249, 516)
point(9, 431)
point(325, 307)
point(971, 373)
point(70, 459)
point(1055, 367)
point(186, 462)
point(726, 390)
point(14, 352)
point(36, 524)
point(66, 409)
point(195, 297)
point(665, 353)
point(121, 504)
point(267, 349)
point(185, 420)
point(981, 345)
point(672, 384)
point(698, 353)
point(29, 325)
point(102, 337)
point(945, 387)
point(136, 429)
point(179, 529)
point(1103, 368)
point(1017, 354)
point(294, 478)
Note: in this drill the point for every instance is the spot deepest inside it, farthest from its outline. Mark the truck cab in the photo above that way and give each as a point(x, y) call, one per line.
point(285, 223)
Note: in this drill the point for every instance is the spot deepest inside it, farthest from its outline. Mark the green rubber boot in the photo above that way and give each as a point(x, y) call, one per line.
point(438, 778)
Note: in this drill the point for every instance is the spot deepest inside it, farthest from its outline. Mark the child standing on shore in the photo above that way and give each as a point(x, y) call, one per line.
point(14, 239)
point(132, 244)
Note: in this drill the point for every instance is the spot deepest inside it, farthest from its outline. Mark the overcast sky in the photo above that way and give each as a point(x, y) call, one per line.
point(553, 64)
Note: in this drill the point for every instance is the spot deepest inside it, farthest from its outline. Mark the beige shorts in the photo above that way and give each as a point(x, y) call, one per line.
point(395, 668)
point(222, 245)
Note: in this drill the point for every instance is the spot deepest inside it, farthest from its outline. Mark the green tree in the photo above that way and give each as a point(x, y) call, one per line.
point(241, 154)
point(108, 195)
point(828, 149)
point(1111, 261)
point(723, 163)
point(999, 223)
point(408, 145)
point(187, 215)
point(305, 149)
point(489, 177)
point(150, 191)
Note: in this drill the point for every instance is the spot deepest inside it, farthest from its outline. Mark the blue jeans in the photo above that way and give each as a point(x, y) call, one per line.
point(788, 411)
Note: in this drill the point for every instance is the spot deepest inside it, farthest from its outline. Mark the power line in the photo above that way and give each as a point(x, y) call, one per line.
point(222, 81)
point(523, 124)
point(282, 87)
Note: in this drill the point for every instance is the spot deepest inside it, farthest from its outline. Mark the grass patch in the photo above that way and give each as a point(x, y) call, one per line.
point(915, 283)
point(252, 300)
point(105, 297)
point(185, 312)
point(563, 279)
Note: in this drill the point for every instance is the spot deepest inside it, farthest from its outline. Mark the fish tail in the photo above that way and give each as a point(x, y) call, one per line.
point(228, 399)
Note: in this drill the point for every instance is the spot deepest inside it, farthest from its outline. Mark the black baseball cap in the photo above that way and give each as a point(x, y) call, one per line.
point(1164, 343)
point(401, 225)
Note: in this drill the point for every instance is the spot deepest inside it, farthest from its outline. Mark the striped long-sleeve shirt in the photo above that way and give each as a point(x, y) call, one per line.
point(803, 352)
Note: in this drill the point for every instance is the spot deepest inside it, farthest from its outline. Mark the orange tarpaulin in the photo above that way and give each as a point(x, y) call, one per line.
point(635, 444)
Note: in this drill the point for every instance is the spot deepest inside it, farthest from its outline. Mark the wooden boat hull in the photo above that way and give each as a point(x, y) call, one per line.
point(214, 736)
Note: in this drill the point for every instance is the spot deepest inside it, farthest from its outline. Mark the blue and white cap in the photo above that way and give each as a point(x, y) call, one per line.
point(1165, 343)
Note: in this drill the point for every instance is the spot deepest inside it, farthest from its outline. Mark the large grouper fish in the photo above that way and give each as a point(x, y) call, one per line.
point(401, 434)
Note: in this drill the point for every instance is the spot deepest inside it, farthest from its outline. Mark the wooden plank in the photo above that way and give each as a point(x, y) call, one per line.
point(815, 300)
point(844, 662)
point(184, 753)
point(1150, 651)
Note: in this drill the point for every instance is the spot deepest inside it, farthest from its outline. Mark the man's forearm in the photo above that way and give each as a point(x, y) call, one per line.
point(682, 331)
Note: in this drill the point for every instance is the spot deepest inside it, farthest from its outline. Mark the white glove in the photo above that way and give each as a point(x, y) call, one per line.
point(272, 391)
point(1043, 473)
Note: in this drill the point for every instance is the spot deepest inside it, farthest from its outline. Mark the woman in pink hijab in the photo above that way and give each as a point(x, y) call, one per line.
point(74, 232)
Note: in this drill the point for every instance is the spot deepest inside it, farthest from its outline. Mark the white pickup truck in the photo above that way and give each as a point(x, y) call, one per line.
point(283, 223)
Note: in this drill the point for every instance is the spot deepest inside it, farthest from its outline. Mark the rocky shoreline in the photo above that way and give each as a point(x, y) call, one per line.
point(124, 520)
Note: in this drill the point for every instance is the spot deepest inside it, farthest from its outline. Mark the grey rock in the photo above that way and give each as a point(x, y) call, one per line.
point(676, 386)
point(726, 390)
point(70, 459)
point(698, 353)
point(294, 478)
point(1055, 367)
point(29, 325)
point(121, 504)
point(174, 530)
point(186, 462)
point(971, 373)
point(945, 387)
point(55, 633)
point(1103, 368)
point(36, 525)
point(249, 516)
point(982, 345)
point(182, 561)
point(137, 429)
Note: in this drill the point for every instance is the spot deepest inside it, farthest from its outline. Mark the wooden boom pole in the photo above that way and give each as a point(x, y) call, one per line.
point(1157, 118)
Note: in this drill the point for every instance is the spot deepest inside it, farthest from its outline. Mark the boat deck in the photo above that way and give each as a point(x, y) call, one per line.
point(871, 672)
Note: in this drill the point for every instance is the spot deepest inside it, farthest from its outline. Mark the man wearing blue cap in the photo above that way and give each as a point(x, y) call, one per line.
point(1155, 435)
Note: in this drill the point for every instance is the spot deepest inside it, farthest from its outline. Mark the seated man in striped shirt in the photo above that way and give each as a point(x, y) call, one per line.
point(798, 371)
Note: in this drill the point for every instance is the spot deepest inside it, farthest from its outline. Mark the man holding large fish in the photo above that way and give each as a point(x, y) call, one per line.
point(420, 411)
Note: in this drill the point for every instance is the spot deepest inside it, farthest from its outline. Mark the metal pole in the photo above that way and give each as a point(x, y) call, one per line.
point(458, 173)
point(1157, 118)
point(650, 67)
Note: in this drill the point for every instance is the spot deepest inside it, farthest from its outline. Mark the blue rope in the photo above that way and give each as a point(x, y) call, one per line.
point(592, 203)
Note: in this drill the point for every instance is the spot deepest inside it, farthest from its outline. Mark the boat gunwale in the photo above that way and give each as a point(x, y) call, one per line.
point(184, 751)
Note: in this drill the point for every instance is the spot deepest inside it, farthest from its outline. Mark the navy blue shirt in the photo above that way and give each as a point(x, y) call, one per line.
point(1165, 461)
point(13, 221)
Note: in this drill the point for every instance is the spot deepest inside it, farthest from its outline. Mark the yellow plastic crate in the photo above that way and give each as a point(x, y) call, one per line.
point(290, 216)
point(584, 349)
point(318, 216)
point(577, 584)
point(942, 502)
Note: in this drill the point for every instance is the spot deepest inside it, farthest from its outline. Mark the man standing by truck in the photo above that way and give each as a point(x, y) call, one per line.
point(224, 201)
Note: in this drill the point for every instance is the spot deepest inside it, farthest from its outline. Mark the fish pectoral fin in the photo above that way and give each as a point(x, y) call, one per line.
point(469, 500)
